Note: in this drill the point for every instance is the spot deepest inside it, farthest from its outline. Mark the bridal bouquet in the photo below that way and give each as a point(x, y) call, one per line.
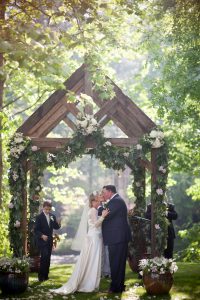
point(159, 265)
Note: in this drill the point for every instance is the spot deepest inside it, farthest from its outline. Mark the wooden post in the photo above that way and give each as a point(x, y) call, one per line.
point(2, 80)
point(88, 90)
point(24, 211)
point(153, 182)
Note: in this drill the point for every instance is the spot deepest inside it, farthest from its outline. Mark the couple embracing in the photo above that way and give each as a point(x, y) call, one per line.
point(106, 226)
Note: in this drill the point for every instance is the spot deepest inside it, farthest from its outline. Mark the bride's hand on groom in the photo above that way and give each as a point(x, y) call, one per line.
point(105, 212)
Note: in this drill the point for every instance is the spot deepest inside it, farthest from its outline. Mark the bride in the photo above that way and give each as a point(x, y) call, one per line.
point(87, 271)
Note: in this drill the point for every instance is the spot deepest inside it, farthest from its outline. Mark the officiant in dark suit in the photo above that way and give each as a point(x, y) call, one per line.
point(44, 225)
point(116, 235)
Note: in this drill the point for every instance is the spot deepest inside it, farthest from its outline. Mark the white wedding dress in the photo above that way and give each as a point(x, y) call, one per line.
point(87, 271)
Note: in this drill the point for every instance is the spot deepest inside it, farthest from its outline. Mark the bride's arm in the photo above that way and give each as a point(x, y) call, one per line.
point(93, 219)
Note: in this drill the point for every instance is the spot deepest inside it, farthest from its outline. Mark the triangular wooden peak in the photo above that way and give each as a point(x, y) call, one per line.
point(121, 110)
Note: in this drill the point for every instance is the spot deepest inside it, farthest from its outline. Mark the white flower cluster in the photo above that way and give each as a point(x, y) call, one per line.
point(14, 265)
point(17, 145)
point(159, 265)
point(50, 157)
point(162, 169)
point(17, 224)
point(107, 143)
point(157, 137)
point(87, 124)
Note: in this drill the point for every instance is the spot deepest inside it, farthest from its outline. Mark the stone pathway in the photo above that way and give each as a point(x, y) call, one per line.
point(63, 259)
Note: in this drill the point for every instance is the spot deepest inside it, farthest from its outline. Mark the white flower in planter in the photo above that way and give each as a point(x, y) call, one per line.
point(37, 188)
point(138, 184)
point(17, 224)
point(159, 191)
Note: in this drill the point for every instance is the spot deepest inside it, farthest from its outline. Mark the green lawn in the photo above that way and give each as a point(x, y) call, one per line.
point(186, 286)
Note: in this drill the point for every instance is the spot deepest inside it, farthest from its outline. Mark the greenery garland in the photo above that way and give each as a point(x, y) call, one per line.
point(21, 149)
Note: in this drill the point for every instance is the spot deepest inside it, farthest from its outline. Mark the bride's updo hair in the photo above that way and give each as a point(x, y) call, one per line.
point(92, 198)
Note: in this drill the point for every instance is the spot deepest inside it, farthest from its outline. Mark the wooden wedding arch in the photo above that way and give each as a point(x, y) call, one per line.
point(124, 113)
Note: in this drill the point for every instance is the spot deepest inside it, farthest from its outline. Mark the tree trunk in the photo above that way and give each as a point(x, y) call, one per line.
point(2, 19)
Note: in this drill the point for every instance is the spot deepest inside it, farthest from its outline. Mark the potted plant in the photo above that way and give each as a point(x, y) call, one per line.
point(14, 274)
point(157, 274)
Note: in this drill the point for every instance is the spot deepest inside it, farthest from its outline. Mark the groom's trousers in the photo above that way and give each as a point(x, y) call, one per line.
point(117, 257)
point(45, 252)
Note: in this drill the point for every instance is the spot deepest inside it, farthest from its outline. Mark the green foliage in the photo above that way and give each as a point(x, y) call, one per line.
point(194, 190)
point(192, 251)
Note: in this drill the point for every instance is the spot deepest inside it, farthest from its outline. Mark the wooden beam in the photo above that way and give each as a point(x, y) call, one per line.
point(51, 102)
point(143, 120)
point(54, 144)
point(50, 121)
point(88, 90)
point(147, 164)
point(70, 123)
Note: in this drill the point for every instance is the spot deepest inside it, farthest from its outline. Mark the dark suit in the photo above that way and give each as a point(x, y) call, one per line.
point(171, 215)
point(43, 228)
point(116, 235)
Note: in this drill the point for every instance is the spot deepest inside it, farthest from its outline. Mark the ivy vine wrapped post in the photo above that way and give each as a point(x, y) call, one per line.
point(159, 223)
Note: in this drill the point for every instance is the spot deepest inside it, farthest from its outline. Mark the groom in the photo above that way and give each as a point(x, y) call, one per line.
point(44, 225)
point(116, 235)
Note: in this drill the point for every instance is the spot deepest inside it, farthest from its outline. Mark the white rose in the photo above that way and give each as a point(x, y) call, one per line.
point(93, 122)
point(21, 148)
point(83, 124)
point(90, 129)
point(159, 191)
point(17, 224)
point(126, 154)
point(34, 148)
point(160, 134)
point(107, 143)
point(139, 147)
point(153, 134)
point(162, 169)
point(18, 140)
point(157, 226)
point(157, 143)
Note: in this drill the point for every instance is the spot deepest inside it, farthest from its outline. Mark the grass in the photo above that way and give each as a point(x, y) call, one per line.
point(186, 286)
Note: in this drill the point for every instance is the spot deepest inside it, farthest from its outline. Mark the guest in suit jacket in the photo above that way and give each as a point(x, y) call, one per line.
point(44, 225)
point(171, 215)
point(116, 235)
